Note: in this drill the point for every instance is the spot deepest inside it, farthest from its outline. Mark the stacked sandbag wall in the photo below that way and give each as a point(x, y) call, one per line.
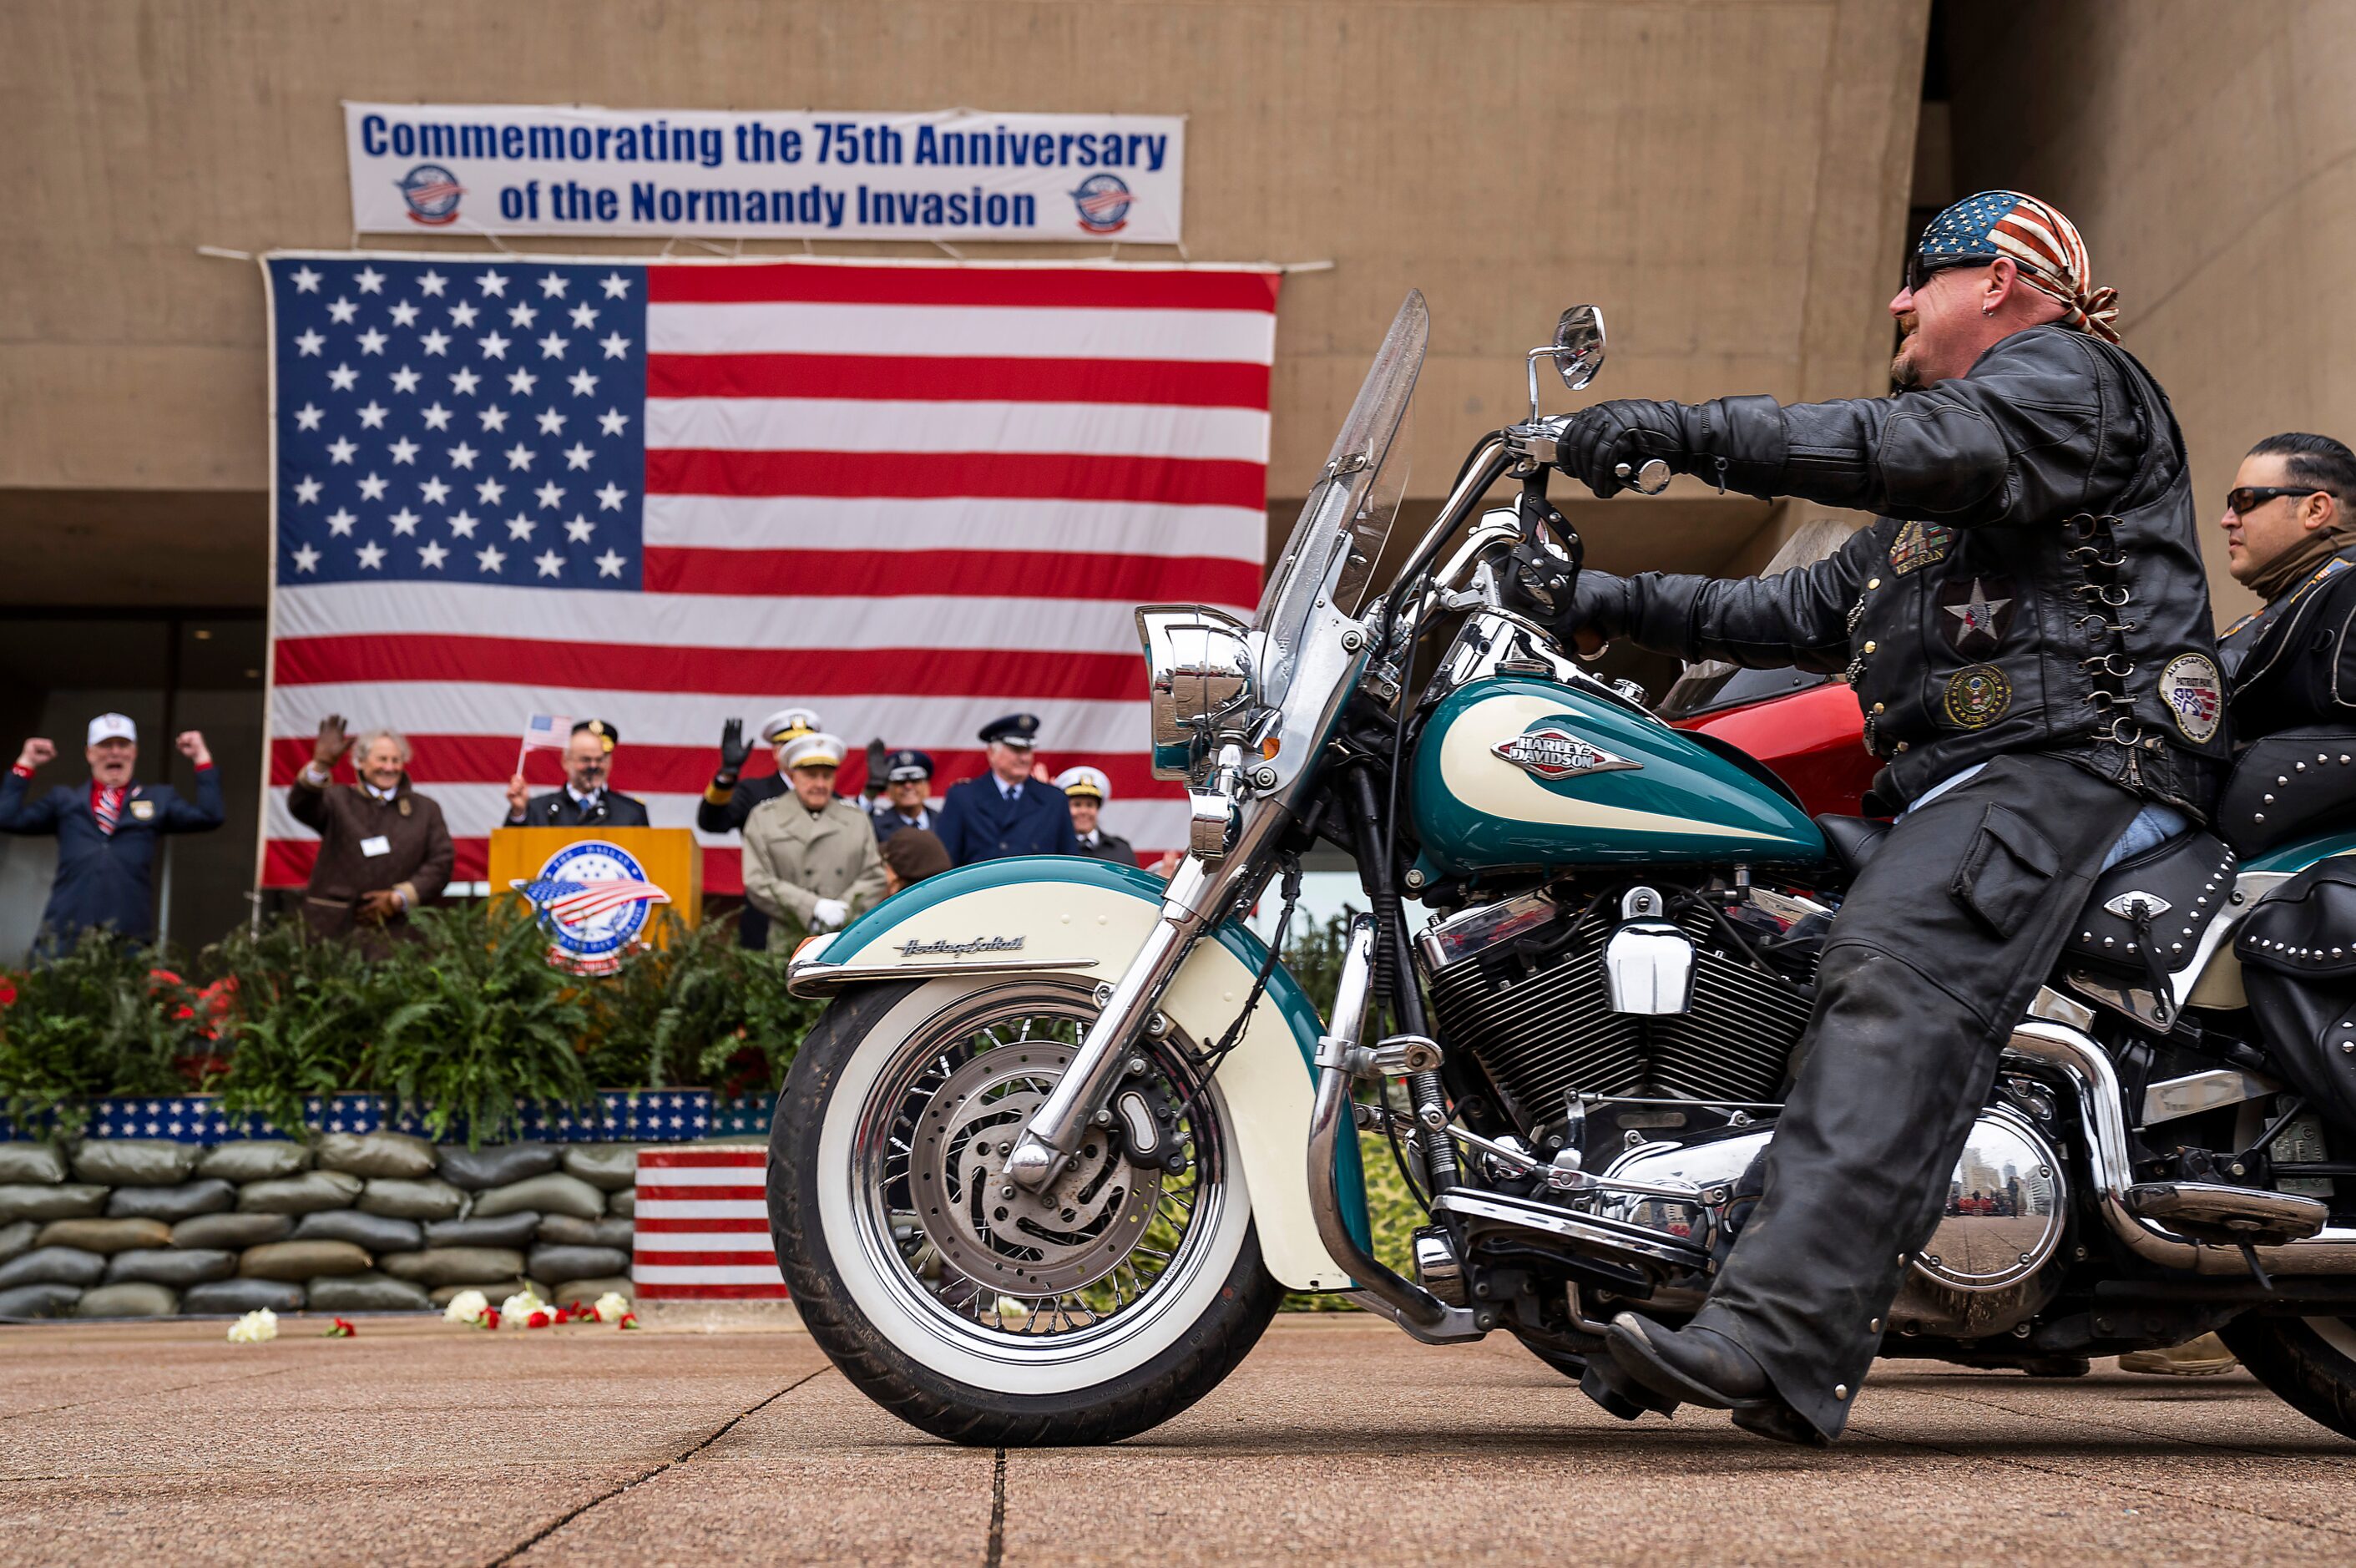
point(372, 1222)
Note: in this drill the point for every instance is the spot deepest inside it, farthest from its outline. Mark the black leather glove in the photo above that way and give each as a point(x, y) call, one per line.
point(1629, 432)
point(1535, 578)
point(732, 753)
point(1599, 603)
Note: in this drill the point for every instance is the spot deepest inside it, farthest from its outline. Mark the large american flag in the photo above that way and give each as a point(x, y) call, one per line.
point(912, 496)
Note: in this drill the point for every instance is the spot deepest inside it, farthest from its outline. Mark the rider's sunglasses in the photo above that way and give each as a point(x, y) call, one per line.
point(1919, 267)
point(2247, 498)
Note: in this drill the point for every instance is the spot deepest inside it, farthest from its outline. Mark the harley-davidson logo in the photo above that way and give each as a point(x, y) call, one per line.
point(1550, 751)
point(961, 950)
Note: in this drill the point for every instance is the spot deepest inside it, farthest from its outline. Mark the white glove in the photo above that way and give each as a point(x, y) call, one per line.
point(828, 913)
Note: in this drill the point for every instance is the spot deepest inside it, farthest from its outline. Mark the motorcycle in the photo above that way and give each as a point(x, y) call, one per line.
point(1066, 1133)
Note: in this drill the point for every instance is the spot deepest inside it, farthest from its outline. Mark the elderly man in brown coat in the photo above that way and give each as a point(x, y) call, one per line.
point(811, 861)
point(384, 848)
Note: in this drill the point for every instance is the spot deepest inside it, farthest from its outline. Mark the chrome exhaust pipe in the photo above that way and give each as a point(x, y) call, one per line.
point(2087, 1066)
point(1401, 1300)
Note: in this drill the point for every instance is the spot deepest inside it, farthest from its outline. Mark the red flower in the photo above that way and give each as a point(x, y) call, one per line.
point(164, 977)
point(562, 1315)
point(629, 1320)
point(7, 993)
point(490, 1318)
point(342, 1329)
point(538, 1320)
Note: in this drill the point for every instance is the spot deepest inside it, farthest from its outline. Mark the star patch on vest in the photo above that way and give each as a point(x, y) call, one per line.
point(1918, 544)
point(2195, 696)
point(1978, 696)
point(1976, 612)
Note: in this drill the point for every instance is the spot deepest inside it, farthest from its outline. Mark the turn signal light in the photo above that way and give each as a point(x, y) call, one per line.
point(1270, 747)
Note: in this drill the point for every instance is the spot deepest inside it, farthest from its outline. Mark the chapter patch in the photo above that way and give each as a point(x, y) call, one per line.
point(1978, 696)
point(1975, 613)
point(1918, 544)
point(2194, 694)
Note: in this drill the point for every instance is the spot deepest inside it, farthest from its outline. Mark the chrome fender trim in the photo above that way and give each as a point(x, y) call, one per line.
point(2088, 1067)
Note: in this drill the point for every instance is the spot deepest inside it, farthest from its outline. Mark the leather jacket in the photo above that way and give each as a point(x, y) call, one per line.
point(2292, 664)
point(2032, 584)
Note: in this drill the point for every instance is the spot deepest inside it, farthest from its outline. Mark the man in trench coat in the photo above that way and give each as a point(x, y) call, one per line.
point(811, 860)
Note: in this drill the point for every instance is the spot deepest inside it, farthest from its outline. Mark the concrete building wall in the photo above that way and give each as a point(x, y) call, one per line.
point(2205, 151)
point(1728, 178)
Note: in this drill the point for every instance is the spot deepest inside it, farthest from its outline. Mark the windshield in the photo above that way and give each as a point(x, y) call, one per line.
point(1348, 513)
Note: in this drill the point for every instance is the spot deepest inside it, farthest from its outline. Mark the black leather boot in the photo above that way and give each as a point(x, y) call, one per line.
point(1696, 1366)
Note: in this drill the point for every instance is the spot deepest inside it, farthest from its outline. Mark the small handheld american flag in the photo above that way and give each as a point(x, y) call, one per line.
point(552, 732)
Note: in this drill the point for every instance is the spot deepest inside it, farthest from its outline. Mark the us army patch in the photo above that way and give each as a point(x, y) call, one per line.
point(2194, 695)
point(1978, 696)
point(1975, 613)
point(1918, 544)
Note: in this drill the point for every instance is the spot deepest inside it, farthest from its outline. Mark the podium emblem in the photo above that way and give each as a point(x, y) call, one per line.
point(591, 897)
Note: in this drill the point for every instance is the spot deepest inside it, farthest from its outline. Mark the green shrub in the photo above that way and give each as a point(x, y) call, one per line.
point(102, 1018)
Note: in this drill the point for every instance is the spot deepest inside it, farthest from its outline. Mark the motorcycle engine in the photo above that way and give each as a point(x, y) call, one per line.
point(1539, 990)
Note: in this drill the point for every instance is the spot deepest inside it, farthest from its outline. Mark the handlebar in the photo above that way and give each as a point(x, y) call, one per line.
point(1650, 480)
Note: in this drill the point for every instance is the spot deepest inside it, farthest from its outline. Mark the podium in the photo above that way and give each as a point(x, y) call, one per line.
point(599, 885)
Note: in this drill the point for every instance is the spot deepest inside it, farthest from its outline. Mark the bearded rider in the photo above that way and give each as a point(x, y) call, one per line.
point(2027, 627)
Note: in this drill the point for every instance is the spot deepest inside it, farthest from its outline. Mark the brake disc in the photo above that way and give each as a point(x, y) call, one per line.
point(996, 1232)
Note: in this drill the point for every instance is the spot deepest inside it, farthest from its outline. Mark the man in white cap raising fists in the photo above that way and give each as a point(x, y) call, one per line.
point(106, 830)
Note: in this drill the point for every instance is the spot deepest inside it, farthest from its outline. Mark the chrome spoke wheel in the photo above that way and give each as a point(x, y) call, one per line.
point(1008, 1272)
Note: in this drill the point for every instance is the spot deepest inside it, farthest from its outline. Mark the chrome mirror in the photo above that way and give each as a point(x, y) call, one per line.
point(1199, 664)
point(1577, 352)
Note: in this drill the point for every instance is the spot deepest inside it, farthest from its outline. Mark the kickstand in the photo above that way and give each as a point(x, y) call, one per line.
point(2249, 1256)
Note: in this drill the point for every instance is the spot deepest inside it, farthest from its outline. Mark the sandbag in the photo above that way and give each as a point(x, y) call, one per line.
point(563, 1230)
point(27, 1200)
point(128, 1300)
point(608, 1167)
point(515, 1231)
point(496, 1291)
point(452, 1265)
point(241, 1296)
point(501, 1165)
point(234, 1231)
point(367, 1292)
point(106, 1235)
point(554, 1193)
point(135, 1162)
point(394, 1155)
point(302, 1260)
point(40, 1301)
point(377, 1232)
point(624, 1203)
point(17, 1237)
point(39, 1164)
point(254, 1159)
point(305, 1193)
point(178, 1267)
point(207, 1195)
point(576, 1262)
point(53, 1266)
point(587, 1291)
point(428, 1199)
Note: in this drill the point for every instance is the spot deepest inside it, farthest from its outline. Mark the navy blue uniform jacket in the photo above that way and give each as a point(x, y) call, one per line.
point(978, 823)
point(104, 881)
point(558, 809)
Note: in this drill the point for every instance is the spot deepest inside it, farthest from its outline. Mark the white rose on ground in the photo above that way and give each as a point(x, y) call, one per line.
point(611, 1306)
point(255, 1326)
point(516, 1310)
point(466, 1306)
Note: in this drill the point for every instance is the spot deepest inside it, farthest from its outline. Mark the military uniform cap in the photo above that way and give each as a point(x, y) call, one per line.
point(786, 722)
point(905, 767)
point(601, 729)
point(1017, 730)
point(1084, 781)
point(814, 750)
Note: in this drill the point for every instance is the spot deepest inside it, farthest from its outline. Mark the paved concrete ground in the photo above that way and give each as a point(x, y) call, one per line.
point(1339, 1439)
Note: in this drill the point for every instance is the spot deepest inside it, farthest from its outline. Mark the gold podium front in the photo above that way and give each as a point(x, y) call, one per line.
point(666, 857)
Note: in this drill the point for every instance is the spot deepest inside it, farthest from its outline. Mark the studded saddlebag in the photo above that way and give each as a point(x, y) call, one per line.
point(2143, 921)
point(2292, 784)
point(2299, 964)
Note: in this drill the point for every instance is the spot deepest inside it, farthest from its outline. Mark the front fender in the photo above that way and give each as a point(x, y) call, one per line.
point(1066, 917)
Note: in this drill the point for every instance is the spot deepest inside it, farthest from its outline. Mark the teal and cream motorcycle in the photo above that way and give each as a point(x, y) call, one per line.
point(1067, 1133)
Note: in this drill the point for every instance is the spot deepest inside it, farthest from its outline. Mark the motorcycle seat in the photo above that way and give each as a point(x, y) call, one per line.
point(1852, 840)
point(2293, 784)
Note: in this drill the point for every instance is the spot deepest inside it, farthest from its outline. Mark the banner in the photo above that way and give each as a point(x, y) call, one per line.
point(950, 175)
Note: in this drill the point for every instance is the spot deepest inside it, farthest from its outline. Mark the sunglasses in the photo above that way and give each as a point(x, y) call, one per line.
point(2247, 498)
point(1919, 267)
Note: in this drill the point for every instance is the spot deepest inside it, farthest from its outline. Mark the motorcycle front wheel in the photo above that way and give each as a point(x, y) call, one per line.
point(973, 1309)
point(2310, 1363)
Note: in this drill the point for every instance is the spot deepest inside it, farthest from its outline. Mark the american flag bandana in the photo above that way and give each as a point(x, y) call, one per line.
point(106, 805)
point(2043, 243)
